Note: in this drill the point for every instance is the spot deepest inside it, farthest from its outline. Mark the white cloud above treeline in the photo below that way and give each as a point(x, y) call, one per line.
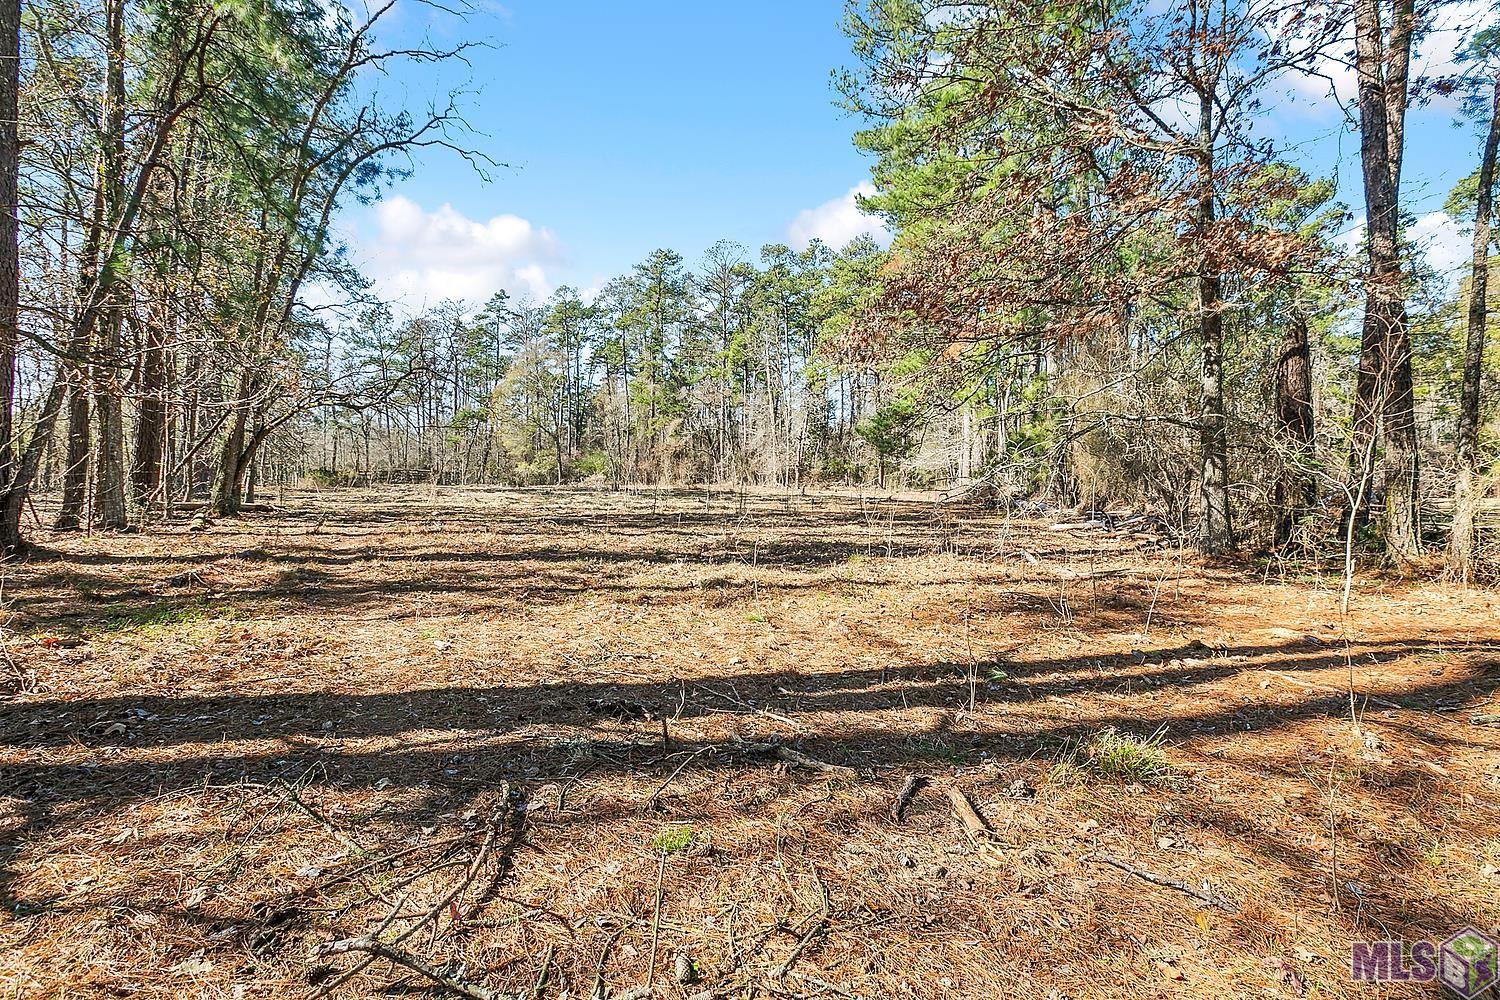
point(420, 257)
point(1448, 28)
point(1442, 239)
point(838, 221)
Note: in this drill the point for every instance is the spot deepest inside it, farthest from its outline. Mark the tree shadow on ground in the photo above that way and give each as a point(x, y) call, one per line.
point(183, 719)
point(73, 762)
point(53, 794)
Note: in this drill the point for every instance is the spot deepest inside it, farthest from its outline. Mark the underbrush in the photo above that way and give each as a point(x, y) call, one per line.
point(1117, 756)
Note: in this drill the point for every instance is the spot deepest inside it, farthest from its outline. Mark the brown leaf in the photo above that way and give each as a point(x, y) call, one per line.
point(1285, 975)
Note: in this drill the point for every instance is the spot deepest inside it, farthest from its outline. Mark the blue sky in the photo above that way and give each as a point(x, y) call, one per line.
point(631, 126)
point(628, 126)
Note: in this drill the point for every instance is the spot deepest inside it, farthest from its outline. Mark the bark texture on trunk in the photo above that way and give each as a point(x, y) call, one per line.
point(16, 492)
point(1383, 388)
point(229, 493)
point(75, 478)
point(1215, 529)
point(1296, 489)
point(17, 466)
point(10, 257)
point(1216, 532)
point(147, 470)
point(1461, 542)
point(1403, 526)
point(109, 469)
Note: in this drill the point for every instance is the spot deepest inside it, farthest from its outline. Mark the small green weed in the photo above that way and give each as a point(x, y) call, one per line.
point(162, 618)
point(1117, 755)
point(673, 840)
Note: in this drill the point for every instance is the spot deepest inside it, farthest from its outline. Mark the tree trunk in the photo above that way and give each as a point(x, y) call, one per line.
point(16, 491)
point(1216, 533)
point(1383, 384)
point(1296, 490)
point(1215, 529)
point(10, 257)
point(75, 480)
point(1461, 547)
point(109, 470)
point(229, 494)
point(1403, 528)
point(17, 467)
point(151, 425)
point(1403, 458)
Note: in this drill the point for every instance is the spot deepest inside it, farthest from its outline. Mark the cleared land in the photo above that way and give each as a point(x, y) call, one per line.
point(499, 720)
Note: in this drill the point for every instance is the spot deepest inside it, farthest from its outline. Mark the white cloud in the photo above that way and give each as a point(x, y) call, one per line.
point(1331, 85)
point(419, 257)
point(590, 293)
point(1442, 239)
point(1452, 27)
point(837, 222)
point(1334, 83)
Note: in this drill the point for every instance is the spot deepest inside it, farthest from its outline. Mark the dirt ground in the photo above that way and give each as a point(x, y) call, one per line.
point(577, 743)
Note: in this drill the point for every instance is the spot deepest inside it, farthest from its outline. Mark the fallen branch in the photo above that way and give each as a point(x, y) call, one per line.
point(1211, 898)
point(387, 859)
point(598, 992)
point(793, 757)
point(819, 925)
point(805, 942)
point(541, 979)
point(375, 949)
point(323, 821)
point(505, 848)
point(661, 869)
point(651, 802)
point(987, 845)
point(974, 823)
point(448, 903)
point(914, 783)
point(742, 703)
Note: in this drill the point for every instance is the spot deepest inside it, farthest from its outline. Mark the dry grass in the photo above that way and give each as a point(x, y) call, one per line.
point(216, 744)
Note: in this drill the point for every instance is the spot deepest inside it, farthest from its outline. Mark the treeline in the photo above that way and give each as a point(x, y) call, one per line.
point(726, 371)
point(172, 170)
point(1101, 185)
point(1111, 283)
point(757, 370)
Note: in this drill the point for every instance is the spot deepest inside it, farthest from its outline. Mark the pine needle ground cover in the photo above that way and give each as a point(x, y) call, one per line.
point(577, 743)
